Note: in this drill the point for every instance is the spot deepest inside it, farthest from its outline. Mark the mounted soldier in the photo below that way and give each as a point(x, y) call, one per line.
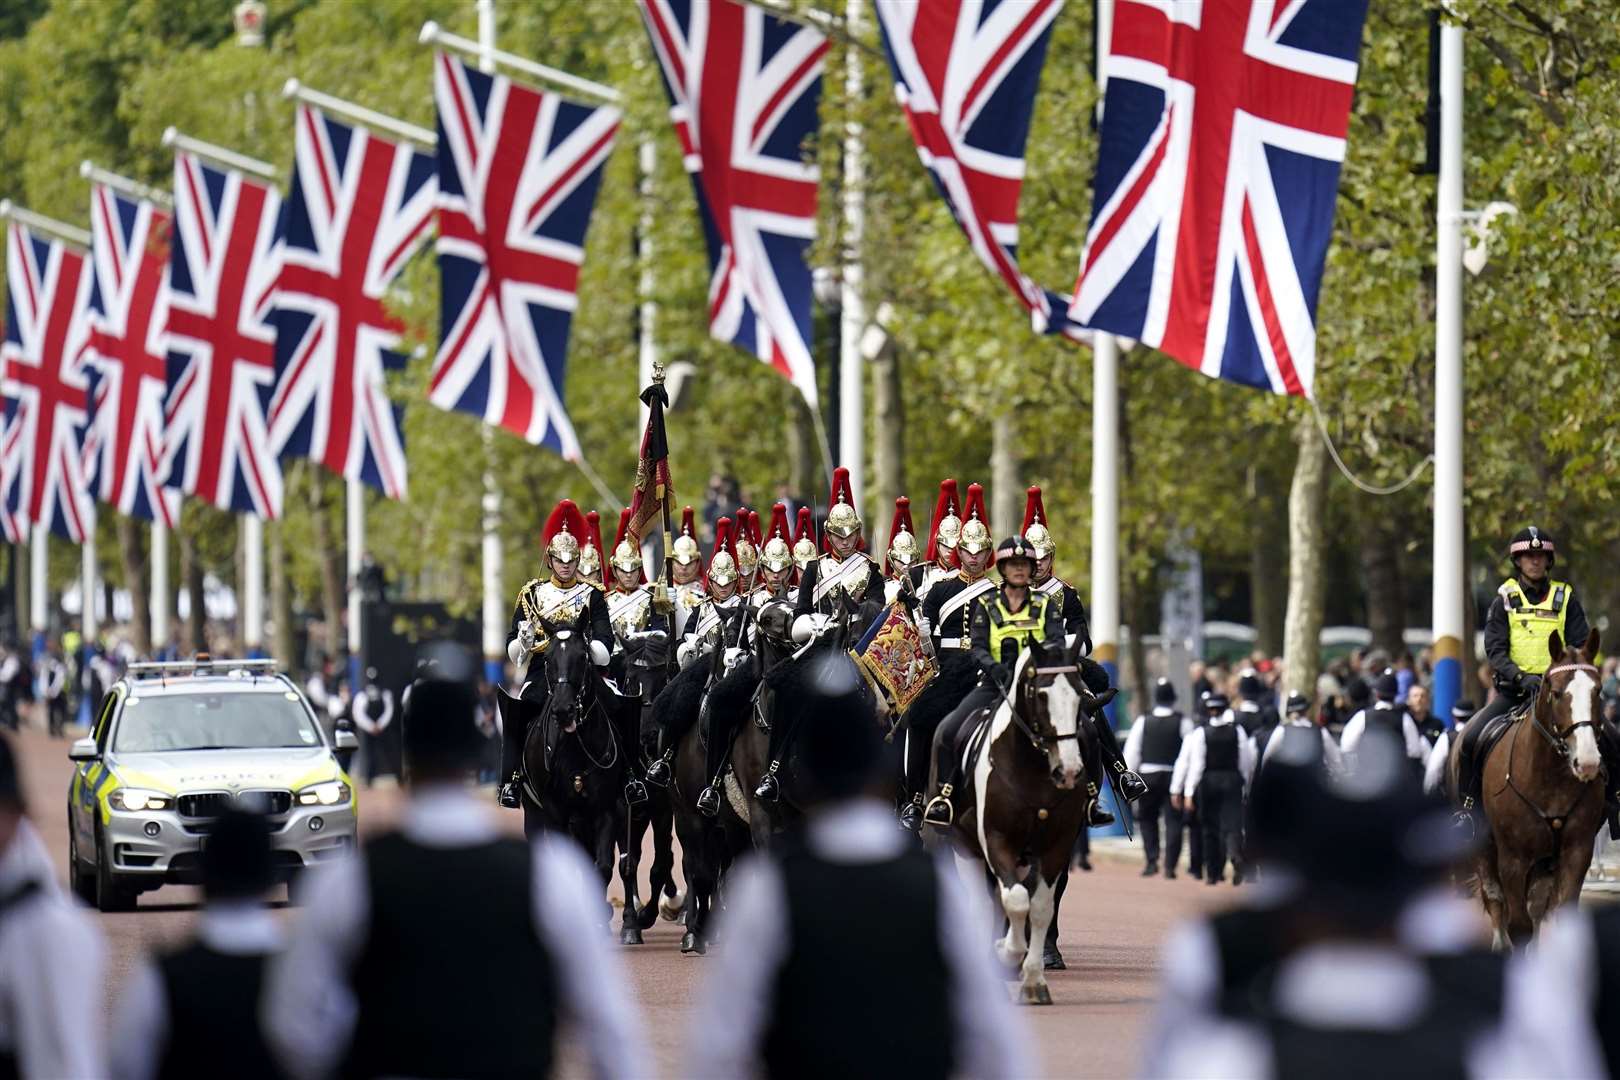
point(718, 624)
point(1005, 621)
point(687, 559)
point(776, 565)
point(1529, 607)
point(903, 553)
point(944, 532)
point(560, 598)
point(1039, 536)
point(745, 542)
point(640, 635)
point(843, 572)
point(590, 550)
point(804, 544)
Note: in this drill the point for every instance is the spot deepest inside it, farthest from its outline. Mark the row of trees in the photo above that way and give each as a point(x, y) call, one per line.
point(965, 388)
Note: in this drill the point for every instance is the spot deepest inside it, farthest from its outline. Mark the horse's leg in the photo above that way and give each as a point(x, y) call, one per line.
point(1574, 860)
point(629, 873)
point(1050, 956)
point(1513, 871)
point(1032, 988)
point(1003, 862)
point(1490, 894)
point(670, 900)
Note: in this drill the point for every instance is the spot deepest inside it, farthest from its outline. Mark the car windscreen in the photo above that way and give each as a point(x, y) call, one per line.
point(205, 721)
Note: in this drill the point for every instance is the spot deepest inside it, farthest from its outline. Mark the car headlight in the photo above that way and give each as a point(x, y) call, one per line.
point(135, 799)
point(330, 793)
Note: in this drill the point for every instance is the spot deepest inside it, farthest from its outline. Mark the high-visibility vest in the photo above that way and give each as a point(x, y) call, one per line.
point(1531, 625)
point(1025, 627)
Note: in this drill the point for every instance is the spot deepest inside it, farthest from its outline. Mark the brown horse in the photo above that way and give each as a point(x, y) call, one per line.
point(1033, 779)
point(1540, 798)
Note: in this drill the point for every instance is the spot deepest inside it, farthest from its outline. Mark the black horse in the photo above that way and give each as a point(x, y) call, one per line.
point(643, 672)
point(574, 762)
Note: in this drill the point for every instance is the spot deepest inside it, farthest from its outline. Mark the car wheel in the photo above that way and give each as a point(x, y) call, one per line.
point(83, 884)
point(111, 893)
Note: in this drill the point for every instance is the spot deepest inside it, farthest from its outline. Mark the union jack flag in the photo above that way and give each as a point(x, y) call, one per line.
point(43, 355)
point(965, 73)
point(1223, 130)
point(358, 210)
point(518, 175)
point(123, 447)
point(221, 345)
point(744, 87)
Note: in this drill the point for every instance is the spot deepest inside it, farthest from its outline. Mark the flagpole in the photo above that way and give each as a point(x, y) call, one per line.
point(852, 311)
point(1104, 624)
point(252, 607)
point(355, 546)
point(38, 581)
point(488, 56)
point(89, 624)
point(647, 342)
point(158, 559)
point(1449, 557)
point(494, 600)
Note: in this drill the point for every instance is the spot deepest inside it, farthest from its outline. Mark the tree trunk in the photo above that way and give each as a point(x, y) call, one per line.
point(191, 575)
point(1268, 557)
point(1381, 574)
point(1307, 543)
point(1006, 506)
point(281, 637)
point(889, 447)
point(1141, 605)
point(804, 453)
point(330, 555)
point(132, 550)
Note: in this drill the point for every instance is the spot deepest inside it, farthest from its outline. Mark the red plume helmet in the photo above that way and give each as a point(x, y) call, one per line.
point(804, 540)
point(723, 560)
point(776, 552)
point(902, 551)
point(975, 523)
point(626, 555)
point(590, 551)
point(565, 531)
point(685, 548)
point(843, 519)
point(1036, 528)
point(946, 528)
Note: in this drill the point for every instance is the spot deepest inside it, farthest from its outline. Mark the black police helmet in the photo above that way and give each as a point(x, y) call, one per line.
point(1164, 692)
point(440, 730)
point(1014, 547)
point(1215, 701)
point(826, 700)
point(1531, 539)
point(1387, 686)
point(1297, 703)
point(236, 863)
point(1250, 687)
point(1463, 711)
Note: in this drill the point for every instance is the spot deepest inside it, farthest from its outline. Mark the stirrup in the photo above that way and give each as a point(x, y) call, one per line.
point(508, 795)
point(635, 792)
point(708, 802)
point(911, 815)
point(658, 771)
point(769, 790)
point(1131, 784)
point(939, 811)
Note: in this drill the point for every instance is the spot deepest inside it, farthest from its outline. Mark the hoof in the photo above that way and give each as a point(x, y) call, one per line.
point(1036, 994)
point(692, 945)
point(1052, 960)
point(673, 908)
point(630, 934)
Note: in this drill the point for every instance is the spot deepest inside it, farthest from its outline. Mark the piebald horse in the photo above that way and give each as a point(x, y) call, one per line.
point(1541, 795)
point(1034, 774)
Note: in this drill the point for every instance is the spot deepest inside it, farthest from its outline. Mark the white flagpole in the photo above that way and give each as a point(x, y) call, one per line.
point(852, 311)
point(1448, 614)
point(39, 555)
point(158, 559)
point(647, 345)
point(251, 611)
point(90, 583)
point(355, 549)
point(1105, 452)
point(494, 595)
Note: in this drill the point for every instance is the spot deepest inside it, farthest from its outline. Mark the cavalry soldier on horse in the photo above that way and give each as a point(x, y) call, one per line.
point(1528, 608)
point(902, 555)
point(944, 532)
point(804, 543)
point(746, 544)
point(687, 558)
point(1005, 621)
point(843, 569)
point(561, 598)
point(640, 632)
point(590, 550)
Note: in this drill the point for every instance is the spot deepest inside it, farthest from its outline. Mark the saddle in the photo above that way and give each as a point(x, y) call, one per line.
point(972, 737)
point(1496, 728)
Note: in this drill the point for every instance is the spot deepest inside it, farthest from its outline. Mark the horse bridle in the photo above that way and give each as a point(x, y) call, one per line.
point(1559, 739)
point(1036, 739)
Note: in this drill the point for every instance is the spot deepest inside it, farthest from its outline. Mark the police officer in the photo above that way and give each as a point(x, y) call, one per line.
point(809, 986)
point(1385, 712)
point(1528, 608)
point(560, 598)
point(944, 532)
point(947, 616)
point(843, 571)
point(372, 711)
point(1429, 725)
point(445, 948)
point(52, 959)
point(1220, 763)
point(1005, 622)
point(1151, 750)
point(1254, 710)
point(197, 1006)
point(1439, 760)
point(1298, 718)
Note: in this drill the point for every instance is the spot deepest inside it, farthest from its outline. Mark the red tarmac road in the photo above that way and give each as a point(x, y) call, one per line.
point(1113, 923)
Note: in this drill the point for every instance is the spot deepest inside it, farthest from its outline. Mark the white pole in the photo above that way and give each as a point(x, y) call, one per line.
point(252, 600)
point(90, 583)
point(647, 353)
point(39, 612)
point(354, 550)
point(1105, 448)
point(159, 561)
point(852, 322)
point(1448, 380)
point(494, 601)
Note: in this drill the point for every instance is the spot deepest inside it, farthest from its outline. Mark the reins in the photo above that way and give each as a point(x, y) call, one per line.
point(1560, 747)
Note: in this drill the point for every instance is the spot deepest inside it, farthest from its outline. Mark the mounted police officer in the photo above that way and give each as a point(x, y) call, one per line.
point(1005, 622)
point(1528, 607)
point(560, 598)
point(944, 533)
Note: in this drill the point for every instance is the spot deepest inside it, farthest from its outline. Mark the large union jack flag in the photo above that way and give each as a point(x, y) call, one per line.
point(518, 175)
point(359, 208)
point(221, 345)
point(1223, 131)
point(744, 87)
point(965, 73)
point(123, 447)
point(47, 332)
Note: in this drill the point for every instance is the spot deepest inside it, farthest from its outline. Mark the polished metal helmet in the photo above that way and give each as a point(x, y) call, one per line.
point(564, 546)
point(685, 549)
point(747, 557)
point(626, 556)
point(804, 552)
point(777, 555)
point(975, 536)
point(842, 520)
point(722, 568)
point(950, 532)
point(590, 560)
point(1040, 539)
point(903, 550)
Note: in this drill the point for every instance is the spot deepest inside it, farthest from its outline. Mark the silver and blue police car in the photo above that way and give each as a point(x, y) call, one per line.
point(173, 746)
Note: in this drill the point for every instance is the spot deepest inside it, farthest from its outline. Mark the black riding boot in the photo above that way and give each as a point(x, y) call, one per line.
point(769, 788)
point(1131, 784)
point(714, 760)
point(512, 738)
point(662, 768)
point(939, 811)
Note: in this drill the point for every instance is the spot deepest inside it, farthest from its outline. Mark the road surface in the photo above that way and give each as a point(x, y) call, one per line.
point(1112, 924)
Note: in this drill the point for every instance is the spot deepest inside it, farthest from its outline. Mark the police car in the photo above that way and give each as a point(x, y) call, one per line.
point(174, 745)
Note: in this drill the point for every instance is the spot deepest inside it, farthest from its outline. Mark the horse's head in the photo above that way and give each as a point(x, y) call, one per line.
point(1048, 695)
point(1567, 707)
point(567, 661)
